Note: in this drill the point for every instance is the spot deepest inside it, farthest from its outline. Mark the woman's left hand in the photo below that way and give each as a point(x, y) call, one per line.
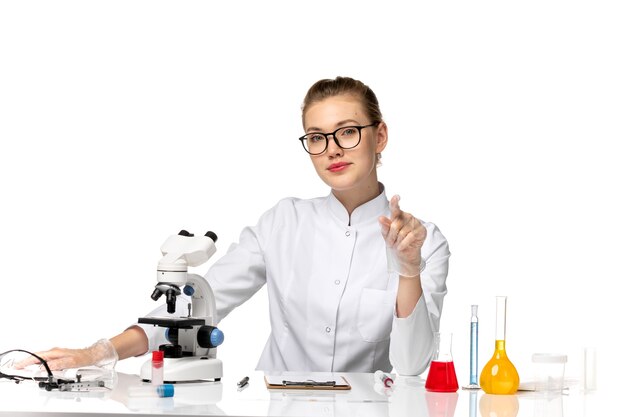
point(404, 235)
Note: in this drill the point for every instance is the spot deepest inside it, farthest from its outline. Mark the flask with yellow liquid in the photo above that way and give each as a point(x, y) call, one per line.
point(499, 375)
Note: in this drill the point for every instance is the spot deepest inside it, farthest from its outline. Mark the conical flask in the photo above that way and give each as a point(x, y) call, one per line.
point(499, 375)
point(441, 375)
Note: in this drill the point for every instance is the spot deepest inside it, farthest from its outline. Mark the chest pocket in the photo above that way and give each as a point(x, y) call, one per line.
point(375, 314)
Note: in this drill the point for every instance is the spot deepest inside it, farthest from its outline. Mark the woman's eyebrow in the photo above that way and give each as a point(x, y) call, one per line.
point(337, 125)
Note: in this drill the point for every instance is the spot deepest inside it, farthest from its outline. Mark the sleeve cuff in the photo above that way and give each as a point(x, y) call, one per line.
point(418, 312)
point(411, 341)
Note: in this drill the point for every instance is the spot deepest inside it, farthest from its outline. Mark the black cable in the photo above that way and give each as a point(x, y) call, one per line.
point(19, 378)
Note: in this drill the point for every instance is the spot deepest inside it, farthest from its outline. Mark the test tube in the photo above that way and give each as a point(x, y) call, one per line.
point(157, 391)
point(157, 368)
point(589, 371)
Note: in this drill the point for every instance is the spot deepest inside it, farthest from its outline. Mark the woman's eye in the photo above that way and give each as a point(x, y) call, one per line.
point(348, 131)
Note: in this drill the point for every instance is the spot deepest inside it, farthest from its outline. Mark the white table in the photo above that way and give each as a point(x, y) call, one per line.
point(406, 398)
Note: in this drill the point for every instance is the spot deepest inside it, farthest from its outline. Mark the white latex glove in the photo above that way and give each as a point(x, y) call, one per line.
point(404, 236)
point(102, 354)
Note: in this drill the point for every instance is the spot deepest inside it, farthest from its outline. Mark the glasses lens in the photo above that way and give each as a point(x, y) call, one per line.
point(348, 137)
point(315, 143)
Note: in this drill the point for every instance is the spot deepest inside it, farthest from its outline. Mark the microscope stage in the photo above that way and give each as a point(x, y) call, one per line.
point(174, 322)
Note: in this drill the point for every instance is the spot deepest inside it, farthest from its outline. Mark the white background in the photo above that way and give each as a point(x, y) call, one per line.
point(122, 122)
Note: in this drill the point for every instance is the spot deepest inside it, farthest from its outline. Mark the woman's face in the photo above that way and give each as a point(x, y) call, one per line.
point(345, 169)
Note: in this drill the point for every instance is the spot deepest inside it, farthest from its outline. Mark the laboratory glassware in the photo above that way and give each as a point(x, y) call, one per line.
point(157, 367)
point(473, 384)
point(549, 369)
point(441, 375)
point(589, 371)
point(499, 375)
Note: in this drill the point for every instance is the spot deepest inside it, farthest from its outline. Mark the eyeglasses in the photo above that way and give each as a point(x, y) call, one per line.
point(346, 137)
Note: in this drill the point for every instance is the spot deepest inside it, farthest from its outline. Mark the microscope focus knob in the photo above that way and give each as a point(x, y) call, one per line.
point(210, 337)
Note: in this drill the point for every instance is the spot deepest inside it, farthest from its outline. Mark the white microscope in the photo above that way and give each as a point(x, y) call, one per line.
point(191, 353)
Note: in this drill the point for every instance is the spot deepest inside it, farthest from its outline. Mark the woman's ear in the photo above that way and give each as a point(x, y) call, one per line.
point(381, 137)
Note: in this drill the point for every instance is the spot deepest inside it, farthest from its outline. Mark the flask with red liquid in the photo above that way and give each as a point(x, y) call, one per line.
point(441, 375)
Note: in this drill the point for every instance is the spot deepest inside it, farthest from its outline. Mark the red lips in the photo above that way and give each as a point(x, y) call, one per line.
point(339, 166)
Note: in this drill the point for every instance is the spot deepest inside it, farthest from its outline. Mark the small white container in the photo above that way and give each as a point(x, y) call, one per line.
point(549, 370)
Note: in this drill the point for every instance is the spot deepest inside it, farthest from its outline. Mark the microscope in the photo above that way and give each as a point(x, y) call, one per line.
point(190, 354)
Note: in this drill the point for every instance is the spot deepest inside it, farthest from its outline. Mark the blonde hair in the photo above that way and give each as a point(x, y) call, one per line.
point(326, 88)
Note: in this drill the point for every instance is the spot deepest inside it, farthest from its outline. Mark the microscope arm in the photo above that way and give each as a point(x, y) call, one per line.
point(202, 299)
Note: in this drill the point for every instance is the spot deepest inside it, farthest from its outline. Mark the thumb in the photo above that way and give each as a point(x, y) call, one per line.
point(385, 225)
point(23, 363)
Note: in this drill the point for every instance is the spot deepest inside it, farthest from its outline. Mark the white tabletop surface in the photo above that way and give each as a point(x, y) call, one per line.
point(407, 397)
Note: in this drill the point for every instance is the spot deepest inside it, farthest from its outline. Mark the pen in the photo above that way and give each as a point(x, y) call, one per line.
point(243, 382)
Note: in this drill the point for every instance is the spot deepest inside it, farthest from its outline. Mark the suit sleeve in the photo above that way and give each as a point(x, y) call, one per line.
point(412, 337)
point(239, 274)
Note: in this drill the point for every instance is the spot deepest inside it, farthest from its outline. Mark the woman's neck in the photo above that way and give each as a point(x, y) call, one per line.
point(353, 198)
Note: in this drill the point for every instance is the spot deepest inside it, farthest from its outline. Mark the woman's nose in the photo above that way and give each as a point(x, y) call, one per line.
point(333, 148)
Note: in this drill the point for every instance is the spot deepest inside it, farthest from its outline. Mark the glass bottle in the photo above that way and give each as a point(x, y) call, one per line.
point(441, 375)
point(499, 375)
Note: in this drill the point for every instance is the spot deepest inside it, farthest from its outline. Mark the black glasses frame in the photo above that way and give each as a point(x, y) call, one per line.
point(302, 139)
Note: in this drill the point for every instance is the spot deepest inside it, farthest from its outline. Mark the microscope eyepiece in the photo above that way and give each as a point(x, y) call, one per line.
point(211, 235)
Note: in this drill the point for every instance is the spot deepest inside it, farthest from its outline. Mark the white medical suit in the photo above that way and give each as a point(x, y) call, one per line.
point(331, 297)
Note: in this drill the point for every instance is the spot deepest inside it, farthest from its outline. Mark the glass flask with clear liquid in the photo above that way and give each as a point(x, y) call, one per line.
point(499, 375)
point(441, 375)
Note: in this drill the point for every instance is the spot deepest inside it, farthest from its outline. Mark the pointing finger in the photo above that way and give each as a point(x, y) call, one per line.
point(394, 206)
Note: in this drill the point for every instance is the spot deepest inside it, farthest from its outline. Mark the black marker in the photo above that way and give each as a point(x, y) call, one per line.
point(243, 382)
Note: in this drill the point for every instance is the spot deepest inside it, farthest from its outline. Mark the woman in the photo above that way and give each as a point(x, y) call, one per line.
point(354, 283)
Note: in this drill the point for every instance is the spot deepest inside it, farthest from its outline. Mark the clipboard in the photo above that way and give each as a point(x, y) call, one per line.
point(307, 382)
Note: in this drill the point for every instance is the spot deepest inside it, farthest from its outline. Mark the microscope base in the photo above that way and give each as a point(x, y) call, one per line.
point(186, 369)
